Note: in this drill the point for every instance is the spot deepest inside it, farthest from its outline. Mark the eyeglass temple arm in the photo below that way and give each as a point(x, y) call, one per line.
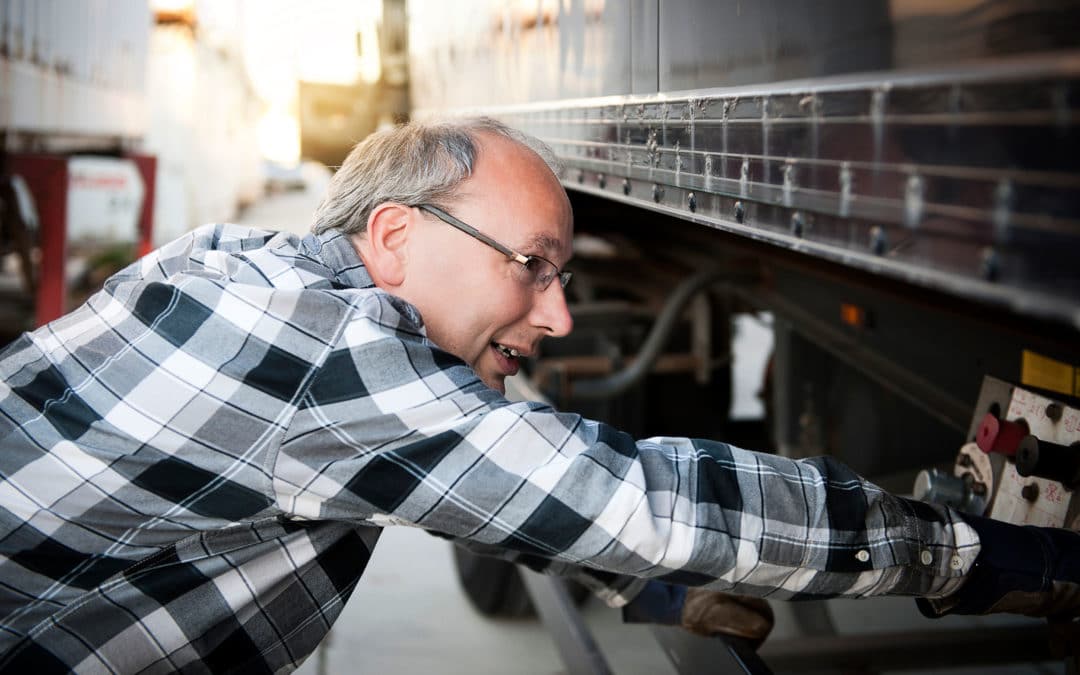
point(473, 232)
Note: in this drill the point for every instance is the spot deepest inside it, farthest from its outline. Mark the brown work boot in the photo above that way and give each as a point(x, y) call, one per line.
point(714, 613)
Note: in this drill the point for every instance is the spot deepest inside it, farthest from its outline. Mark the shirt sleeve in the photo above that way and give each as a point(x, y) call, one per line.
point(393, 430)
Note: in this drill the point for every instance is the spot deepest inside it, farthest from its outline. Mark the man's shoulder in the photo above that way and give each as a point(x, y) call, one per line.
point(246, 275)
point(232, 253)
point(230, 237)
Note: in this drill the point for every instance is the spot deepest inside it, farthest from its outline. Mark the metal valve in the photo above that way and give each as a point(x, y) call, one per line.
point(939, 487)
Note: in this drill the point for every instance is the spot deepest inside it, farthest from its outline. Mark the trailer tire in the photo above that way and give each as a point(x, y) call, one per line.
point(493, 587)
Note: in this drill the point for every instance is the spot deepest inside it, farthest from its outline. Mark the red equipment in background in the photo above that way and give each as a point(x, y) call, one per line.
point(48, 178)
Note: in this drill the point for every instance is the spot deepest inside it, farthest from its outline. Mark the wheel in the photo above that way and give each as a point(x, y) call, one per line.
point(493, 586)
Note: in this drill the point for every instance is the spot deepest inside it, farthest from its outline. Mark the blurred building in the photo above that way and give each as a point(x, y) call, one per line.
point(125, 123)
point(203, 116)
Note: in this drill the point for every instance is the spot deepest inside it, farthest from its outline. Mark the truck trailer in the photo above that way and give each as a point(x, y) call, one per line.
point(891, 187)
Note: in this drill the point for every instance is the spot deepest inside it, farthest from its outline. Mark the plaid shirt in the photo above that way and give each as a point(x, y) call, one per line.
point(196, 464)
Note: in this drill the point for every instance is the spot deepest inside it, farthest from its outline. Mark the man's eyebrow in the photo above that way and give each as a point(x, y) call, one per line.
point(545, 243)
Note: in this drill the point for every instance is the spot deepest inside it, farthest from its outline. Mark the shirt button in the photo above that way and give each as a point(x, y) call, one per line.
point(863, 555)
point(926, 557)
point(956, 562)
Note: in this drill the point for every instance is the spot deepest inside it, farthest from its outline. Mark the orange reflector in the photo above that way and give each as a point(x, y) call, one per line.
point(1044, 372)
point(853, 315)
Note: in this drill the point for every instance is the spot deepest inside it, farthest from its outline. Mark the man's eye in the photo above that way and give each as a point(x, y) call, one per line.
point(540, 272)
point(534, 267)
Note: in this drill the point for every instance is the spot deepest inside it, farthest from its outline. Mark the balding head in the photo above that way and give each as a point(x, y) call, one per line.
point(411, 164)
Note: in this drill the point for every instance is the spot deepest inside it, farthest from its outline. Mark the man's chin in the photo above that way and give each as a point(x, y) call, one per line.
point(489, 375)
point(496, 382)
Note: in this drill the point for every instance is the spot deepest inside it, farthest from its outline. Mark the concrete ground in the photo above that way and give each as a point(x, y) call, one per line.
point(408, 615)
point(289, 210)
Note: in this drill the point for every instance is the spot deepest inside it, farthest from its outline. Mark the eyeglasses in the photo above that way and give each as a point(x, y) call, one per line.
point(535, 271)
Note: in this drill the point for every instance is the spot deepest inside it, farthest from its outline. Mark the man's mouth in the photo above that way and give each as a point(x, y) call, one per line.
point(507, 361)
point(508, 352)
point(506, 358)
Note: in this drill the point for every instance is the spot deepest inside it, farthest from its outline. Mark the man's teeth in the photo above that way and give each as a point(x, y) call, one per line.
point(507, 351)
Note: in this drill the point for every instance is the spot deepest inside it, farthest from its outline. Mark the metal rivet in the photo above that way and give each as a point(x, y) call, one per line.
point(925, 557)
point(863, 555)
point(878, 241)
point(798, 224)
point(1053, 412)
point(956, 562)
point(739, 212)
point(626, 186)
point(691, 202)
point(989, 264)
point(601, 180)
point(657, 192)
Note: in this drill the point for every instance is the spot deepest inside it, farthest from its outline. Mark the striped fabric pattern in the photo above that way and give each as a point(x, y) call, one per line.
point(196, 464)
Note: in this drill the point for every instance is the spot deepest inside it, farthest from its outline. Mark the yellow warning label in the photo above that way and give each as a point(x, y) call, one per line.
point(1044, 372)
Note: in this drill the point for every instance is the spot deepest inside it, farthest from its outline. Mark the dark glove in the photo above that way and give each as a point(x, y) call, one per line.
point(701, 611)
point(1020, 569)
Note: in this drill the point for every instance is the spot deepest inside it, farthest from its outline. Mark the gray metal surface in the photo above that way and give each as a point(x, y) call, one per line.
point(489, 52)
point(692, 654)
point(706, 43)
point(645, 45)
point(934, 146)
point(936, 650)
point(963, 181)
point(496, 52)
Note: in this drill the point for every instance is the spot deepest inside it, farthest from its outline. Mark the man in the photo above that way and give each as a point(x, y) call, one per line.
point(197, 463)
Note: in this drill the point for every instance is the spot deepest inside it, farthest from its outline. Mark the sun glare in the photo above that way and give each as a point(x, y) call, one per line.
point(279, 136)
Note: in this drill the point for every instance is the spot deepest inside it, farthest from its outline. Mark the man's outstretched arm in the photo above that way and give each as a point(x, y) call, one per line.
point(420, 440)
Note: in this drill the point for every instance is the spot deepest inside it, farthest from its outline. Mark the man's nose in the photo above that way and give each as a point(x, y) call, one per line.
point(550, 311)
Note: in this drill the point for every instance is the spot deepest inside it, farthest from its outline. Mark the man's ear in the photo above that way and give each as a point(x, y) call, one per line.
point(386, 245)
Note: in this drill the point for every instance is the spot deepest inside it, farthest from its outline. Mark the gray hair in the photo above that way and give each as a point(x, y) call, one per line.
point(412, 164)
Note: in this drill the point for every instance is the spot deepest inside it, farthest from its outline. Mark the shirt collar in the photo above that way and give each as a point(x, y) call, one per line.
point(336, 251)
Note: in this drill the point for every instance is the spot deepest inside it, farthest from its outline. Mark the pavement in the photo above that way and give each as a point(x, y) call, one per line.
point(408, 615)
point(289, 209)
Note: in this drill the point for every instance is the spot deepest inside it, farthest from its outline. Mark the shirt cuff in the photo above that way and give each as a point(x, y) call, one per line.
point(946, 554)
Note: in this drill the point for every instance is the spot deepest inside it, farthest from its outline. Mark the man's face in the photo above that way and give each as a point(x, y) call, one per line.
point(470, 295)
